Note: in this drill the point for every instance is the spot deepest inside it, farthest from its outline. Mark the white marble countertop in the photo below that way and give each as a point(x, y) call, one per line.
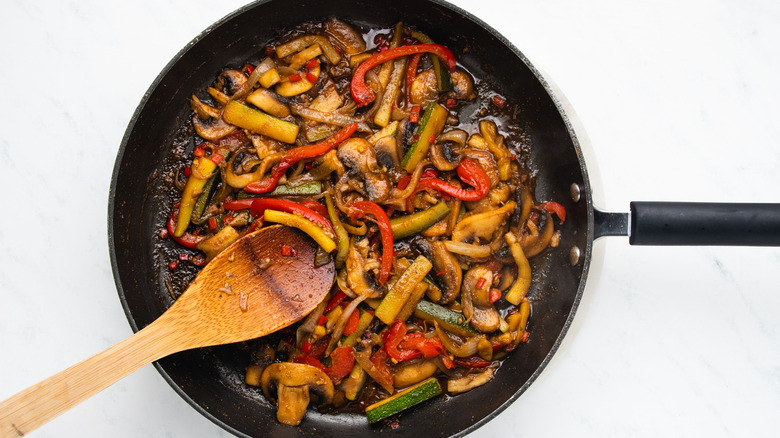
point(680, 100)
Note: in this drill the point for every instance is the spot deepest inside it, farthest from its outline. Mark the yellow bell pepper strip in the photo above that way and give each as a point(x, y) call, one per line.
point(202, 168)
point(187, 240)
point(259, 122)
point(295, 155)
point(404, 226)
point(292, 220)
point(517, 292)
point(363, 95)
point(470, 172)
point(430, 126)
point(341, 233)
point(362, 208)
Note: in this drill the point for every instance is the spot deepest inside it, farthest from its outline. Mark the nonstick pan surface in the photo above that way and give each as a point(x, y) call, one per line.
point(591, 373)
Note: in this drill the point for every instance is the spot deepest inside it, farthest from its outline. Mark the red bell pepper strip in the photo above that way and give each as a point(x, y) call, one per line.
point(335, 300)
point(295, 155)
point(554, 208)
point(342, 361)
point(188, 240)
point(382, 371)
point(316, 206)
point(308, 360)
point(363, 95)
point(352, 323)
point(361, 208)
point(429, 347)
point(470, 172)
point(258, 205)
point(393, 338)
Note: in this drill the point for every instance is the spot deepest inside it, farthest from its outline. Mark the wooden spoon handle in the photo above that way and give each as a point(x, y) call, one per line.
point(33, 407)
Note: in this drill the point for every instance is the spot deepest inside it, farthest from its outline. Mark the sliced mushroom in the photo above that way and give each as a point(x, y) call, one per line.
point(294, 383)
point(482, 315)
point(462, 85)
point(387, 152)
point(413, 372)
point(230, 81)
point(469, 381)
point(358, 155)
point(424, 89)
point(345, 35)
point(445, 153)
point(207, 121)
point(448, 273)
point(358, 278)
point(482, 225)
point(497, 196)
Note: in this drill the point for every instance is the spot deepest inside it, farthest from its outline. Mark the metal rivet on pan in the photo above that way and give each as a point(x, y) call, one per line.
point(574, 255)
point(575, 192)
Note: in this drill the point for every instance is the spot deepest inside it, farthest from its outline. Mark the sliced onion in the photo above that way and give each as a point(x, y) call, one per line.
point(468, 249)
point(466, 349)
point(338, 329)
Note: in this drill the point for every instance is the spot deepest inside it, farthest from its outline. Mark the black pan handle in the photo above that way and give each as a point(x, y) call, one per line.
point(685, 223)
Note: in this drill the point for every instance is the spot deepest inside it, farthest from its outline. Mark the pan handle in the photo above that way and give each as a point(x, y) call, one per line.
point(686, 223)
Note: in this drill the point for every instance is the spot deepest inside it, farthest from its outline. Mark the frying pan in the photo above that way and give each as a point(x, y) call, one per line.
point(210, 378)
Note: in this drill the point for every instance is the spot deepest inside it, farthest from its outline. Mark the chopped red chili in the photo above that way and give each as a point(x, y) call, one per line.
point(499, 101)
point(216, 158)
point(288, 251)
point(495, 295)
point(294, 78)
point(173, 265)
point(314, 63)
point(362, 208)
point(310, 77)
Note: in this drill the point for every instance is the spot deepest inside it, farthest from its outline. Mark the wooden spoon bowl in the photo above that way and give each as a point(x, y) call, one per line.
point(249, 290)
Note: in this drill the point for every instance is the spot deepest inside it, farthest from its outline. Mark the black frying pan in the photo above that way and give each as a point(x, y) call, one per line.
point(210, 379)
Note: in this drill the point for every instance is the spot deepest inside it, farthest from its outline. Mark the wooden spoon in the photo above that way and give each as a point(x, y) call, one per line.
point(247, 291)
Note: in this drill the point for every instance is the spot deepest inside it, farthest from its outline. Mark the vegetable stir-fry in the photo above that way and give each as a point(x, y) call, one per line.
point(370, 144)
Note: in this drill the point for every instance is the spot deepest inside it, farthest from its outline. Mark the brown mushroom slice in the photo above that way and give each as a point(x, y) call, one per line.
point(358, 155)
point(230, 81)
point(294, 384)
point(347, 37)
point(409, 373)
point(477, 309)
point(462, 85)
point(207, 121)
point(424, 89)
point(469, 381)
point(387, 152)
point(482, 225)
point(444, 153)
point(449, 276)
point(358, 278)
